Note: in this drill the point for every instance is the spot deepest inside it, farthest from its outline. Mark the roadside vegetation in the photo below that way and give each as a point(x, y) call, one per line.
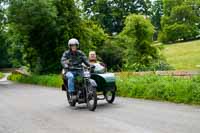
point(165, 88)
point(45, 80)
point(1, 75)
point(183, 56)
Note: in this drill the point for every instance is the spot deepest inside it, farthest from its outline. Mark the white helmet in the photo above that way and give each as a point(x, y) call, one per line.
point(73, 41)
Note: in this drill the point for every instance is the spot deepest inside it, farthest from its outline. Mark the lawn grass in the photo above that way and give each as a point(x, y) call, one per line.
point(183, 56)
point(1, 75)
point(166, 88)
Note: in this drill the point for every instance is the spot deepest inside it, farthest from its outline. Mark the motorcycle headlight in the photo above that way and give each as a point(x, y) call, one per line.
point(86, 74)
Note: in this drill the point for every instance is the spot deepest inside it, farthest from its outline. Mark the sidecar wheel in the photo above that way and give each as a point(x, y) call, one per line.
point(110, 96)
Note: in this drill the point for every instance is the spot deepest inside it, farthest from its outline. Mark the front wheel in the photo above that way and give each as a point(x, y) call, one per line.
point(91, 98)
point(70, 101)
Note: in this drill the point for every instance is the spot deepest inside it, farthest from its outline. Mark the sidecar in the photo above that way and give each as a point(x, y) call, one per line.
point(106, 83)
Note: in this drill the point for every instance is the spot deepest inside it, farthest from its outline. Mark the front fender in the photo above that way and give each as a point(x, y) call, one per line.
point(93, 83)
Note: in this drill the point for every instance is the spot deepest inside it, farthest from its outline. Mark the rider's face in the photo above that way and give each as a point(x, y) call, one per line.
point(73, 47)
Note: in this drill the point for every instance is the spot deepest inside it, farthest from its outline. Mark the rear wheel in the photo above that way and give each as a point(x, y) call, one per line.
point(91, 98)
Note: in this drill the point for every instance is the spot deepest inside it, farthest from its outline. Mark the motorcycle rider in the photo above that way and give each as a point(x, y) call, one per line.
point(71, 59)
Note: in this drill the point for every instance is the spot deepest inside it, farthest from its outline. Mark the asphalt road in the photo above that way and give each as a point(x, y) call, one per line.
point(36, 109)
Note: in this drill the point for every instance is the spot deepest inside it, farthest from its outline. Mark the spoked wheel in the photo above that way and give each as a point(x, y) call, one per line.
point(91, 99)
point(110, 95)
point(70, 101)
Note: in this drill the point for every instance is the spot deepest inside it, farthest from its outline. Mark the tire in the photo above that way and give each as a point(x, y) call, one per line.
point(110, 95)
point(71, 103)
point(91, 95)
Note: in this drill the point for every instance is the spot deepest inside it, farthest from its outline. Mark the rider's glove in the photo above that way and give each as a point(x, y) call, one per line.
point(92, 66)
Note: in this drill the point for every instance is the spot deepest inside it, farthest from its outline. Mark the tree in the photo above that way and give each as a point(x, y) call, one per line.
point(42, 29)
point(4, 61)
point(179, 23)
point(111, 14)
point(111, 53)
point(92, 37)
point(156, 14)
point(35, 21)
point(137, 36)
point(168, 5)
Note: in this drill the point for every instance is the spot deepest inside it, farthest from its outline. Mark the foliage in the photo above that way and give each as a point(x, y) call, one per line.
point(183, 56)
point(4, 61)
point(174, 89)
point(35, 23)
point(1, 75)
point(156, 14)
point(137, 38)
point(111, 53)
point(41, 29)
point(45, 80)
point(180, 21)
point(112, 13)
point(92, 37)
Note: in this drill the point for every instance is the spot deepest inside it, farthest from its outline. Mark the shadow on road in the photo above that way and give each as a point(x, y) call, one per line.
point(101, 106)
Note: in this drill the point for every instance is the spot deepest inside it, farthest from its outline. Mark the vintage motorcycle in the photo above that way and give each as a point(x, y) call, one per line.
point(92, 84)
point(85, 88)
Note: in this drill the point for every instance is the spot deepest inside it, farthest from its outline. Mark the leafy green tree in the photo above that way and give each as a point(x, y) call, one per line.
point(112, 54)
point(92, 36)
point(181, 24)
point(168, 5)
point(42, 28)
point(156, 14)
point(112, 13)
point(35, 21)
point(137, 36)
point(4, 61)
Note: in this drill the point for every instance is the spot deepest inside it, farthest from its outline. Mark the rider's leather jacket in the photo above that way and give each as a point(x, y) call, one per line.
point(74, 59)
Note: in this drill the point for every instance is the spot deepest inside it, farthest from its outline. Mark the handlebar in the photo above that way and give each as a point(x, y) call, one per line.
point(75, 68)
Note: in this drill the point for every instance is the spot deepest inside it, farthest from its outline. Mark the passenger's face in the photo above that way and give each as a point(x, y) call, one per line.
point(92, 56)
point(74, 48)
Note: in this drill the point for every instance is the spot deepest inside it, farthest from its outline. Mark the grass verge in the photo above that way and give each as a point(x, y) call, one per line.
point(45, 80)
point(1, 75)
point(165, 88)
